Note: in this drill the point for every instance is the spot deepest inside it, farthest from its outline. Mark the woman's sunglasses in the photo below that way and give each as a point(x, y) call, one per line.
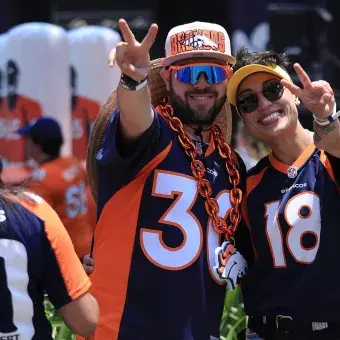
point(190, 74)
point(248, 102)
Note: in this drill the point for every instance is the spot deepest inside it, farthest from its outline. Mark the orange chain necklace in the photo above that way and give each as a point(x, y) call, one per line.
point(226, 226)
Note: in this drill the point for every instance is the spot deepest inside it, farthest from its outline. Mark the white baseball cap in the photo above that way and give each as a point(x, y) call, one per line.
point(197, 40)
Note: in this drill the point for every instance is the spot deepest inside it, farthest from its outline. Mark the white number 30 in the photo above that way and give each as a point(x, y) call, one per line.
point(179, 215)
point(300, 224)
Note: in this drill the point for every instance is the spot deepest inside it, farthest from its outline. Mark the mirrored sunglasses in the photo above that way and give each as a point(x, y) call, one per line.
point(190, 74)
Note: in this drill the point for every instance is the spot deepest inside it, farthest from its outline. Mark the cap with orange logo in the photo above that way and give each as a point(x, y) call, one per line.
point(197, 40)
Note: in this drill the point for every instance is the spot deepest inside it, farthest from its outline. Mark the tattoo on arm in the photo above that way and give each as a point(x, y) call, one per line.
point(321, 131)
point(317, 137)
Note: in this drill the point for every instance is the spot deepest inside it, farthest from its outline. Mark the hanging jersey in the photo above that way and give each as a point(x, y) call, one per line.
point(293, 213)
point(83, 117)
point(3, 124)
point(62, 183)
point(154, 243)
point(25, 111)
point(36, 256)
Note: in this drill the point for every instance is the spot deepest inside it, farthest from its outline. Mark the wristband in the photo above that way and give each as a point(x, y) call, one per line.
point(132, 85)
point(326, 121)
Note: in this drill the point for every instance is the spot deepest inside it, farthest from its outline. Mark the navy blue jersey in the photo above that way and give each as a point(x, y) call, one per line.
point(154, 243)
point(36, 256)
point(293, 213)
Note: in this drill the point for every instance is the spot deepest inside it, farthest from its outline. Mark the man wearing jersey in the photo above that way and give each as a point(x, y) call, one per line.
point(154, 243)
point(293, 199)
point(61, 181)
point(37, 257)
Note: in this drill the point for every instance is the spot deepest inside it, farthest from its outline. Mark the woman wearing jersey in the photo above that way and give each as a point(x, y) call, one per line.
point(37, 256)
point(292, 197)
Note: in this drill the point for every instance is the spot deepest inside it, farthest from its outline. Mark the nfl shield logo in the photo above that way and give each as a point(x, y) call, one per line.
point(292, 172)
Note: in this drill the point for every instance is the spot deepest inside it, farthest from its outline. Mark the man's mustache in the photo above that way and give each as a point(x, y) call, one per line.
point(197, 93)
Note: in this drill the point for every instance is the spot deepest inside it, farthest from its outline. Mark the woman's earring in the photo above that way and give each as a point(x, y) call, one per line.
point(297, 101)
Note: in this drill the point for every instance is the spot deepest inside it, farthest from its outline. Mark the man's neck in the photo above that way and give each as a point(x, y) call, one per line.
point(196, 131)
point(288, 148)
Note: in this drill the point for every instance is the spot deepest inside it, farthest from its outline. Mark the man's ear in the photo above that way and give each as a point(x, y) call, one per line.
point(165, 73)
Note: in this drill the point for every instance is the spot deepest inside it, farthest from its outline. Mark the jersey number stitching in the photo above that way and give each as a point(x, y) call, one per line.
point(15, 300)
point(179, 215)
point(76, 200)
point(299, 225)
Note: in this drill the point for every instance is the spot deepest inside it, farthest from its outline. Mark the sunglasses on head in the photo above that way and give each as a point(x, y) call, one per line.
point(249, 101)
point(190, 74)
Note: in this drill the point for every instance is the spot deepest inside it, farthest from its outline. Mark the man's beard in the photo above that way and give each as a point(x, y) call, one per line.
point(187, 115)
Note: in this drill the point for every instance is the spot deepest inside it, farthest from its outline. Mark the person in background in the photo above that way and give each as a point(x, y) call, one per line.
point(37, 256)
point(251, 150)
point(61, 181)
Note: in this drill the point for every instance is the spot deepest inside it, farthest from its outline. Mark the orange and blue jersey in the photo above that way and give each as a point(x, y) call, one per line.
point(36, 257)
point(293, 214)
point(83, 117)
point(62, 182)
point(3, 124)
point(154, 242)
point(25, 111)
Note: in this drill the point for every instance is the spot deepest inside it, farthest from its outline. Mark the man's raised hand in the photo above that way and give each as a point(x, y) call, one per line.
point(131, 56)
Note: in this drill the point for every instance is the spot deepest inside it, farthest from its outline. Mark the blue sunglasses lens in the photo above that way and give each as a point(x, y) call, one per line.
point(191, 74)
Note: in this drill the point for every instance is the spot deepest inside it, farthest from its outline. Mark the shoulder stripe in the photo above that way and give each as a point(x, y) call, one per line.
point(253, 181)
point(328, 166)
point(76, 281)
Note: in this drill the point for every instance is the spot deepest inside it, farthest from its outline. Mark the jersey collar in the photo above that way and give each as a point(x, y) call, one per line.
point(282, 167)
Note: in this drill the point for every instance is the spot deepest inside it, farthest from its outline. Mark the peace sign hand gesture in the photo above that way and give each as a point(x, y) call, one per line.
point(317, 96)
point(131, 56)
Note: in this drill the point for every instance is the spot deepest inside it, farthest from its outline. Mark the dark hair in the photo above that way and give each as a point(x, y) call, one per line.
point(244, 57)
point(51, 147)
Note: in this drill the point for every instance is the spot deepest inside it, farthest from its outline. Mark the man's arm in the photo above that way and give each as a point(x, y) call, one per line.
point(136, 114)
point(63, 277)
point(81, 315)
point(134, 100)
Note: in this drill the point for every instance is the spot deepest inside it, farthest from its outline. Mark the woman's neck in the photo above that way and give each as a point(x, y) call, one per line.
point(288, 148)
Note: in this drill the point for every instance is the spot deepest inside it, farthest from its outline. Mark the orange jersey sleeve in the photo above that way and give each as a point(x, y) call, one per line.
point(64, 277)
